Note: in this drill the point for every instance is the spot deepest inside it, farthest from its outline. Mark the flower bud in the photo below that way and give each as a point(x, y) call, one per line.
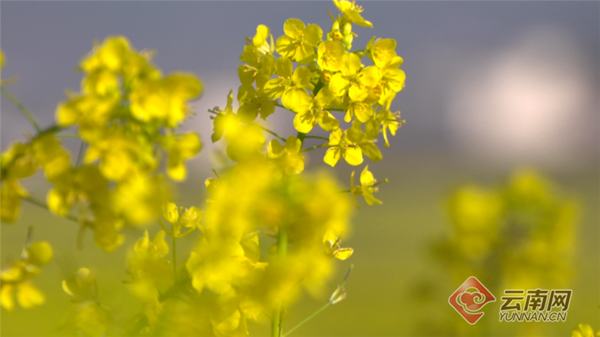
point(325, 76)
point(347, 29)
point(335, 26)
point(39, 253)
point(347, 40)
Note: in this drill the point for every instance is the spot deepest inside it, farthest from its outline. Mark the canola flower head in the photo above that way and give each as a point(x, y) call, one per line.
point(526, 211)
point(366, 188)
point(333, 246)
point(351, 12)
point(82, 285)
point(181, 218)
point(17, 286)
point(127, 114)
point(299, 40)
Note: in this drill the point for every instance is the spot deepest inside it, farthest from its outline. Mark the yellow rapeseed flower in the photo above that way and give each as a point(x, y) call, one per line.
point(299, 41)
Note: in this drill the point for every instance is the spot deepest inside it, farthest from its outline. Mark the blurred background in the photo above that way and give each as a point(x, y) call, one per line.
point(491, 87)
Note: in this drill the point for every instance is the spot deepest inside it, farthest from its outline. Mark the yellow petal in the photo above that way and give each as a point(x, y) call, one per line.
point(303, 123)
point(293, 144)
point(296, 99)
point(330, 55)
point(351, 63)
point(343, 253)
point(284, 67)
point(335, 137)
point(29, 296)
point(353, 156)
point(338, 84)
point(369, 76)
point(332, 156)
point(366, 177)
point(294, 28)
point(371, 151)
point(170, 212)
point(329, 238)
point(7, 296)
point(313, 34)
point(274, 149)
point(301, 77)
point(328, 122)
point(358, 93)
point(191, 217)
point(262, 32)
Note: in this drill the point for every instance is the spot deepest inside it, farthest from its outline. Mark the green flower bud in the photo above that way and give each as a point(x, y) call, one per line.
point(347, 29)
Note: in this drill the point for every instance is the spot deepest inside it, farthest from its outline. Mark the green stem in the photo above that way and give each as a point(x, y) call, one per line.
point(67, 135)
point(21, 107)
point(43, 205)
point(273, 133)
point(175, 258)
point(316, 137)
point(331, 301)
point(314, 147)
point(301, 136)
point(80, 154)
point(376, 184)
point(276, 322)
point(307, 319)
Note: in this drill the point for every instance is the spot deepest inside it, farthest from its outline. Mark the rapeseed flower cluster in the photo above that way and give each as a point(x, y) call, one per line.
point(126, 115)
point(16, 278)
point(524, 231)
point(517, 235)
point(268, 232)
point(327, 78)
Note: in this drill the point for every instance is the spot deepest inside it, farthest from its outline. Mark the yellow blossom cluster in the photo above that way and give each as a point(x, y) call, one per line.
point(16, 277)
point(126, 115)
point(88, 317)
point(268, 232)
point(327, 78)
point(303, 214)
point(524, 231)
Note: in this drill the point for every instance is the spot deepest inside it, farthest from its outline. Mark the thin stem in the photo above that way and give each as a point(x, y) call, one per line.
point(376, 184)
point(314, 147)
point(276, 322)
point(307, 319)
point(316, 137)
point(80, 154)
point(43, 205)
point(301, 136)
point(21, 107)
point(164, 228)
point(273, 133)
point(333, 300)
point(66, 135)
